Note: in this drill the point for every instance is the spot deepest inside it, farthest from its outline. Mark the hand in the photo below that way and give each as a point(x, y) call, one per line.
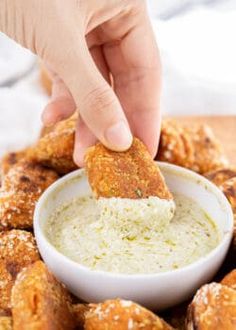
point(89, 46)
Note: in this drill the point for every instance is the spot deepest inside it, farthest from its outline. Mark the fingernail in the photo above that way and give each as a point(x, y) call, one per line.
point(119, 136)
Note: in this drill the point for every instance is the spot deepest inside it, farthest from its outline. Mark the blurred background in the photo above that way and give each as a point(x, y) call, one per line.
point(198, 49)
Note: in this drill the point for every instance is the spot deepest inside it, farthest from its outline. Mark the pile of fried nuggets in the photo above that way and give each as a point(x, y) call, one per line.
point(31, 297)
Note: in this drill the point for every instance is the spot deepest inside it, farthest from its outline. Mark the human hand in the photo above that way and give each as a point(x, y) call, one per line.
point(90, 45)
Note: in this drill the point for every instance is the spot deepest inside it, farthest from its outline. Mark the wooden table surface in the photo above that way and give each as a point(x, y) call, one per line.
point(224, 128)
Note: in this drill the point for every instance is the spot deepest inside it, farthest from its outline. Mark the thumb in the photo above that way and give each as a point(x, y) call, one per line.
point(98, 105)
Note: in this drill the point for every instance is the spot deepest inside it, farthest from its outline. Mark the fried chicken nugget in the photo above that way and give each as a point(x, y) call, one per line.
point(17, 250)
point(130, 174)
point(230, 279)
point(213, 308)
point(21, 188)
point(192, 147)
point(218, 177)
point(55, 149)
point(6, 323)
point(122, 315)
point(175, 144)
point(207, 150)
point(40, 302)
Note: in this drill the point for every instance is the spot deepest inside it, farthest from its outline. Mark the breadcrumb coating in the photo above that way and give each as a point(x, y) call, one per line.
point(218, 177)
point(208, 152)
point(194, 147)
point(11, 159)
point(21, 188)
point(120, 314)
point(131, 174)
point(6, 323)
point(175, 146)
point(213, 307)
point(17, 250)
point(39, 301)
point(55, 148)
point(230, 279)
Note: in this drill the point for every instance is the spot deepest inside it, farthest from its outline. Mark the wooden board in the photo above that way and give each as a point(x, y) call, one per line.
point(224, 128)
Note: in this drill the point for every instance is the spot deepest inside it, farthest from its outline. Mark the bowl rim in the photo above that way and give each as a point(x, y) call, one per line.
point(199, 179)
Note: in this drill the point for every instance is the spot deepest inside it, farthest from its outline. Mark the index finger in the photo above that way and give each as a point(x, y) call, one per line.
point(135, 65)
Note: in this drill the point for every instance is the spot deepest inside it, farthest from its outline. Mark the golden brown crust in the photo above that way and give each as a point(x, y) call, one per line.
point(207, 150)
point(12, 158)
point(6, 283)
point(5, 312)
point(218, 177)
point(39, 301)
point(230, 279)
point(6, 323)
point(192, 147)
point(79, 313)
point(213, 307)
point(175, 145)
point(122, 315)
point(55, 149)
point(21, 188)
point(17, 250)
point(130, 174)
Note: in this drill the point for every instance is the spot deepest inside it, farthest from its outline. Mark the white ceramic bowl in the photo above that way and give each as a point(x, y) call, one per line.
point(155, 291)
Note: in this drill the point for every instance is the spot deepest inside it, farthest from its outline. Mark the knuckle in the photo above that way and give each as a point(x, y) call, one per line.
point(99, 100)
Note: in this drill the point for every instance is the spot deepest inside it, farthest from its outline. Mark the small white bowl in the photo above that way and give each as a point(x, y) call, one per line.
point(155, 291)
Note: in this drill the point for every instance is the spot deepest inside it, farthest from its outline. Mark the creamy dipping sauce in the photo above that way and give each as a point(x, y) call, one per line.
point(78, 232)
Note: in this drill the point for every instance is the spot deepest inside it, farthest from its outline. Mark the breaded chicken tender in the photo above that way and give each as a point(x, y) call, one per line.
point(6, 323)
point(218, 177)
point(21, 188)
point(122, 315)
point(230, 279)
point(213, 308)
point(55, 149)
point(194, 147)
point(208, 152)
point(17, 250)
point(176, 146)
point(130, 174)
point(40, 302)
